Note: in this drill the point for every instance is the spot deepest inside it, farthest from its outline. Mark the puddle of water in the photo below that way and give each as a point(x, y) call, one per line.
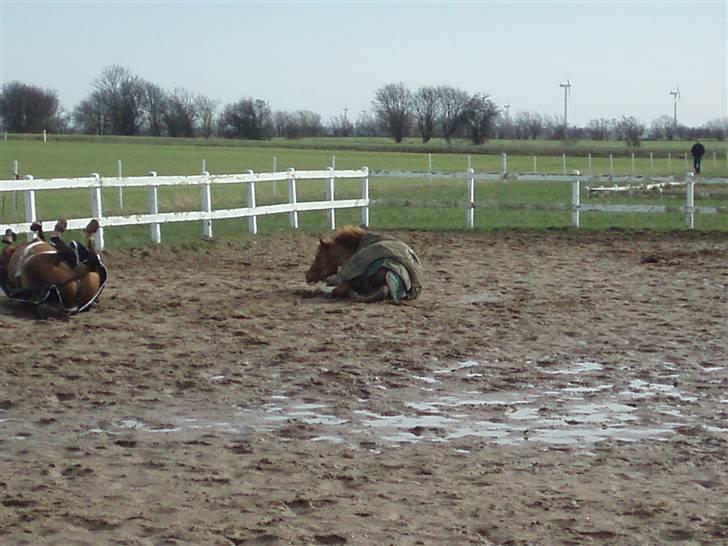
point(577, 367)
point(426, 379)
point(459, 366)
point(643, 389)
point(573, 414)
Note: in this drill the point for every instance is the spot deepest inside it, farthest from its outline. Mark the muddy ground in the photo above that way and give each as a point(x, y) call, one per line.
point(559, 387)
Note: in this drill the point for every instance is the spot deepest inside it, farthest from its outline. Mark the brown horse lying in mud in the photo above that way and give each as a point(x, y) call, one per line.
point(57, 278)
point(366, 266)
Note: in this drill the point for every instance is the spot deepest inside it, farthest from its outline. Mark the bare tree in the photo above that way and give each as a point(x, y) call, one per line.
point(181, 114)
point(480, 116)
point(600, 129)
point(392, 105)
point(717, 128)
point(121, 95)
point(454, 103)
point(340, 126)
point(664, 128)
point(302, 123)
point(426, 106)
point(29, 109)
point(206, 115)
point(247, 118)
point(529, 125)
point(155, 107)
point(630, 130)
point(367, 125)
point(90, 117)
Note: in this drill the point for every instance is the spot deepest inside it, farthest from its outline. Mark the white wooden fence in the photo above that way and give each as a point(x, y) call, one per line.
point(28, 186)
point(575, 206)
point(95, 183)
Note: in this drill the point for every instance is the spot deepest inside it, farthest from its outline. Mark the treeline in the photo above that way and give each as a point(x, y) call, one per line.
point(121, 103)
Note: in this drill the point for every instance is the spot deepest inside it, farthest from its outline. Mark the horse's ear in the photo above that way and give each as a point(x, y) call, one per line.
point(323, 242)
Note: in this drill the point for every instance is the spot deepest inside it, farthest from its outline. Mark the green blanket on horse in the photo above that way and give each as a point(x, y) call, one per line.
point(376, 251)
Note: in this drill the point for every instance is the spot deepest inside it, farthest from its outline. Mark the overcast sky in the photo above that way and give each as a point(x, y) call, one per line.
point(622, 58)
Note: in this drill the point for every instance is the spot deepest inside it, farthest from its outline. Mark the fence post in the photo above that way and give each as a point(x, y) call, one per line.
point(590, 165)
point(154, 209)
point(275, 182)
point(504, 164)
point(16, 175)
point(365, 196)
point(611, 165)
point(686, 161)
point(535, 169)
point(30, 211)
point(652, 164)
point(330, 197)
point(470, 212)
point(429, 168)
point(252, 220)
point(575, 200)
point(634, 171)
point(119, 172)
point(97, 210)
point(669, 162)
point(206, 204)
point(563, 160)
point(690, 201)
point(293, 215)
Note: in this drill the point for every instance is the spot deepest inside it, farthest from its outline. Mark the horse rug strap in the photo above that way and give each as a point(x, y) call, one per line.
point(396, 256)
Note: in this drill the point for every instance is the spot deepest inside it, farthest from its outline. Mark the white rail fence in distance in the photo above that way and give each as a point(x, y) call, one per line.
point(28, 186)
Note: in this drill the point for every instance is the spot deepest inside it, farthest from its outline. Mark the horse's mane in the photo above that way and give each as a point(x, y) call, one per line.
point(348, 236)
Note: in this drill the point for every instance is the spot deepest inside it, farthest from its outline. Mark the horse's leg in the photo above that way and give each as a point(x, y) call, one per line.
point(380, 294)
point(37, 228)
point(342, 290)
point(93, 262)
point(65, 252)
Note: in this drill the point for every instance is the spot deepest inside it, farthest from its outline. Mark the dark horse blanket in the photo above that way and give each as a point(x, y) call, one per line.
point(376, 251)
point(51, 294)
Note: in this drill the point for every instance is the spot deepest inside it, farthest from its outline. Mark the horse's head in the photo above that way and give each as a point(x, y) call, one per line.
point(334, 252)
point(326, 262)
point(8, 248)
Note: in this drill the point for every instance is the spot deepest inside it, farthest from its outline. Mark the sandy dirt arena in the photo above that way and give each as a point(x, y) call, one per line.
point(559, 387)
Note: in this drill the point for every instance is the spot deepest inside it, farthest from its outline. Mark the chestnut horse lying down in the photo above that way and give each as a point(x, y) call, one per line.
point(366, 266)
point(56, 277)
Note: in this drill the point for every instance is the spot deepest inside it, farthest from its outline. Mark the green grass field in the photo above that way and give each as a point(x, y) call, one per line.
point(420, 203)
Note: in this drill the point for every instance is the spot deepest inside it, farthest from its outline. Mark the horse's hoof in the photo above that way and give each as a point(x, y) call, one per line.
point(61, 225)
point(35, 227)
point(93, 226)
point(9, 237)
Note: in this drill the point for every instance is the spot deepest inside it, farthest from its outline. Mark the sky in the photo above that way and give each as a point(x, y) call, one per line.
point(623, 58)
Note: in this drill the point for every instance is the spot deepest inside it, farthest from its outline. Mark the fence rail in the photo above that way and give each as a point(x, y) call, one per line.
point(28, 186)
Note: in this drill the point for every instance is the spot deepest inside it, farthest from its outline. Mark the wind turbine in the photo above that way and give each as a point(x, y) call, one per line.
point(567, 94)
point(675, 98)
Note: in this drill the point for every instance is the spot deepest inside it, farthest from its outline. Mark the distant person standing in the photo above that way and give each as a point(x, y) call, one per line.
point(698, 150)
